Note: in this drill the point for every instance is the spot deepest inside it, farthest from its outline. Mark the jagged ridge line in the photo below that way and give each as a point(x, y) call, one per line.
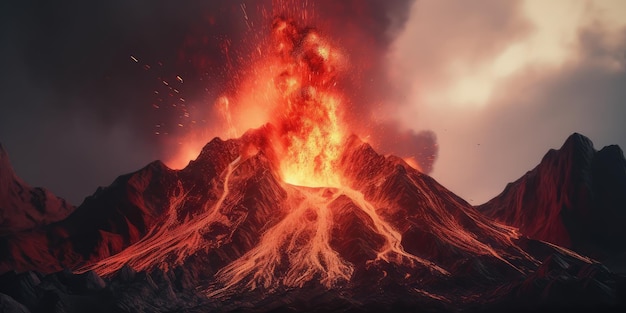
point(159, 243)
point(459, 237)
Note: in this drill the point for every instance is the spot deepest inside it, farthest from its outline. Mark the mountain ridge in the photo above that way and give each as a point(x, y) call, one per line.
point(227, 234)
point(23, 207)
point(575, 197)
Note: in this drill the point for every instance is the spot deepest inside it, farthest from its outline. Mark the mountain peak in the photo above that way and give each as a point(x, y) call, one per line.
point(23, 207)
point(578, 145)
point(578, 140)
point(574, 198)
point(575, 153)
point(6, 169)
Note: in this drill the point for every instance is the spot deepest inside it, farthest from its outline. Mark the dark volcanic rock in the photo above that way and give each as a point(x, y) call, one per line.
point(576, 198)
point(563, 283)
point(9, 305)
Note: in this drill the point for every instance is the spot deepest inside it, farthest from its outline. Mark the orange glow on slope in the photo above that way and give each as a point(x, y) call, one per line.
point(305, 232)
point(413, 163)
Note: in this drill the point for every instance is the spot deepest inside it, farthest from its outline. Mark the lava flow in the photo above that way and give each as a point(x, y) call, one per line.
point(291, 188)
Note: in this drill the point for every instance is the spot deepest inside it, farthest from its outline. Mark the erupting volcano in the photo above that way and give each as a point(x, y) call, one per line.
point(308, 156)
point(295, 215)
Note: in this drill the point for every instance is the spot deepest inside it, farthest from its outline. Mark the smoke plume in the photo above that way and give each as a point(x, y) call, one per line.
point(93, 90)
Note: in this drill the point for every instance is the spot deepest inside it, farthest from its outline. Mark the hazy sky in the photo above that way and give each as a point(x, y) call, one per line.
point(501, 82)
point(497, 82)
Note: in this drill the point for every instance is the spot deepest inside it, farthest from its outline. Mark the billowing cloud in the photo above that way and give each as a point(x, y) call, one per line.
point(502, 82)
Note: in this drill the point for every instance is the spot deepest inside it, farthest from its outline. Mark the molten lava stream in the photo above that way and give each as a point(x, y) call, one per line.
point(171, 238)
point(393, 239)
point(298, 250)
point(304, 236)
point(449, 229)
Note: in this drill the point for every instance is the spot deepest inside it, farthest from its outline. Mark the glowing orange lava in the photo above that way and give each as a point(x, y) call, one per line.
point(308, 114)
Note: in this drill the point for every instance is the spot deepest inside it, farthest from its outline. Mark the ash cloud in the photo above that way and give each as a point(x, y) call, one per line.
point(418, 146)
point(76, 110)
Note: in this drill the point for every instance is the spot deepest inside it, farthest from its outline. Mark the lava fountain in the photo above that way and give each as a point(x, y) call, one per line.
point(308, 117)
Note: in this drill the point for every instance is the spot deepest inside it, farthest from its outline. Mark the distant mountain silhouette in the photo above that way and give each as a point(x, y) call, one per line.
point(576, 198)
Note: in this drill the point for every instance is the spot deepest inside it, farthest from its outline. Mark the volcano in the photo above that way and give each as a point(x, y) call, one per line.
point(227, 233)
point(296, 215)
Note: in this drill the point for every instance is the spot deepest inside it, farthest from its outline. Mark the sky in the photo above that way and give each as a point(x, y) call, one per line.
point(501, 82)
point(90, 91)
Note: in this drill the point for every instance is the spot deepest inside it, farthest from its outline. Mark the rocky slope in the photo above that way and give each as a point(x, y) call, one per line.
point(576, 198)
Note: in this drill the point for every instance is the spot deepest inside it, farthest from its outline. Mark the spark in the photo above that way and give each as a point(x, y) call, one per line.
point(245, 15)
